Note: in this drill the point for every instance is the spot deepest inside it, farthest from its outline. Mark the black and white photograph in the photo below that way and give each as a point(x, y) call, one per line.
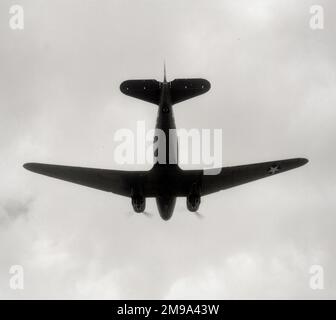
point(167, 150)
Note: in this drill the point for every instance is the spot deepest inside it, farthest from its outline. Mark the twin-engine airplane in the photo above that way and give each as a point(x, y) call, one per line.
point(165, 181)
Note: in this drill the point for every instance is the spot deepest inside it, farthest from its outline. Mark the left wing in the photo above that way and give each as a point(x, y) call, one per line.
point(116, 181)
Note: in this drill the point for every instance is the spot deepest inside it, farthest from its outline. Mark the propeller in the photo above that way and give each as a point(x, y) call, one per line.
point(199, 215)
point(145, 213)
point(148, 214)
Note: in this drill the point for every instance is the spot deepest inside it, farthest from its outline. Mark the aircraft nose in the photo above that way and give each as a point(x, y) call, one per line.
point(166, 206)
point(166, 217)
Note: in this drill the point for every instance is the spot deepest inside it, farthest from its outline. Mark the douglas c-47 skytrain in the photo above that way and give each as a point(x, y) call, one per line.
point(165, 181)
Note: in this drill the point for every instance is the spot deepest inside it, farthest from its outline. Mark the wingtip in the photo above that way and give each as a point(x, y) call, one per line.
point(303, 161)
point(28, 166)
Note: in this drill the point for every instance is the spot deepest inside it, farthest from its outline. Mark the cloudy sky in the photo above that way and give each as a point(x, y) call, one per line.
point(272, 94)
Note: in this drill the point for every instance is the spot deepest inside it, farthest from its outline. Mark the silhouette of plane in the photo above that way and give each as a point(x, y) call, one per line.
point(165, 181)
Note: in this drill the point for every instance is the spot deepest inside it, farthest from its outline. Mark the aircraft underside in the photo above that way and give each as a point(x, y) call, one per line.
point(165, 182)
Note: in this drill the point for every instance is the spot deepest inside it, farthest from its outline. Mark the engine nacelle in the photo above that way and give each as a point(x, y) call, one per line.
point(139, 203)
point(193, 202)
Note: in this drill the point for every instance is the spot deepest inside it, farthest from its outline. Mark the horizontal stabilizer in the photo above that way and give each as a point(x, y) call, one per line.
point(184, 89)
point(147, 90)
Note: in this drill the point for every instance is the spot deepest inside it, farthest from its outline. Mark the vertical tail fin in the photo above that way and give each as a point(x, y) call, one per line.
point(164, 71)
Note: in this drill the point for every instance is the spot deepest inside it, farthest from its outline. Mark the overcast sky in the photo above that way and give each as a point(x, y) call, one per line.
point(273, 95)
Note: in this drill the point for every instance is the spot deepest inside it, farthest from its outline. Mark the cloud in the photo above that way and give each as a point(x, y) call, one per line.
point(12, 209)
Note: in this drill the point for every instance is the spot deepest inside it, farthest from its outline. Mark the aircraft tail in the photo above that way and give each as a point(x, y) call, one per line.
point(184, 89)
point(150, 90)
point(147, 90)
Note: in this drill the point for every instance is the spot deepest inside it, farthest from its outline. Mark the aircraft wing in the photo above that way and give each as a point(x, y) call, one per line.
point(233, 176)
point(116, 181)
point(122, 182)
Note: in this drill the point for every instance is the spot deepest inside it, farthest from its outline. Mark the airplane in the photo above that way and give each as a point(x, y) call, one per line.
point(165, 181)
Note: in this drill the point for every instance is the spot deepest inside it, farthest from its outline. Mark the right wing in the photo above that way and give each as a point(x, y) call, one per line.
point(116, 181)
point(229, 177)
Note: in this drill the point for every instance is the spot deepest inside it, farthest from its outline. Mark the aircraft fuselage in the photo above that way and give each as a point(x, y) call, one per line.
point(165, 121)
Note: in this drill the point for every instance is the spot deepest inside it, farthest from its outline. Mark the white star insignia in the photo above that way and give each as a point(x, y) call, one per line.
point(273, 169)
